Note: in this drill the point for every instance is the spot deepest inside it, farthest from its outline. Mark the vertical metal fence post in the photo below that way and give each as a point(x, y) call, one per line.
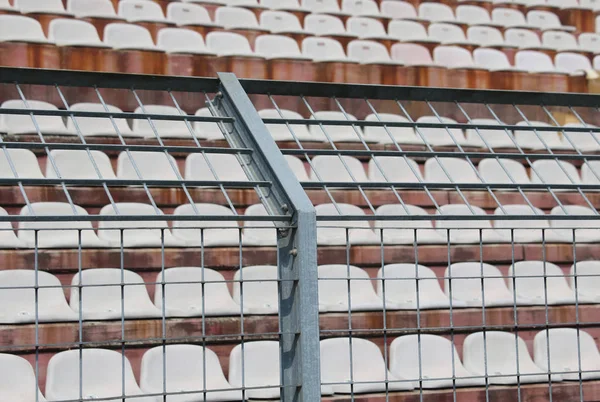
point(297, 244)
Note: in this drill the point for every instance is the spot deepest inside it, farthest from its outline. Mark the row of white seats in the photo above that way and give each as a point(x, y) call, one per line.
point(112, 293)
point(561, 4)
point(348, 365)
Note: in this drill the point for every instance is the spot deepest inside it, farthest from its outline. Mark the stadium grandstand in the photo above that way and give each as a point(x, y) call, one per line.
point(299, 200)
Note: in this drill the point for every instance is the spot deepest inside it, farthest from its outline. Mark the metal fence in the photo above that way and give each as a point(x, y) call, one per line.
point(173, 255)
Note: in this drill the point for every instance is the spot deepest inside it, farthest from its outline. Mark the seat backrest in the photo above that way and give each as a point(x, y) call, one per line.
point(535, 278)
point(585, 276)
point(435, 12)
point(464, 278)
point(559, 40)
point(190, 230)
point(543, 19)
point(23, 161)
point(589, 4)
point(462, 209)
point(590, 172)
point(112, 230)
point(494, 353)
point(360, 7)
point(536, 138)
point(525, 210)
point(224, 43)
point(452, 56)
point(136, 10)
point(508, 17)
point(63, 31)
point(160, 127)
point(490, 59)
point(439, 135)
point(241, 2)
point(564, 349)
point(395, 169)
point(441, 31)
point(407, 30)
point(394, 209)
point(554, 172)
point(572, 62)
point(335, 168)
point(483, 36)
point(410, 53)
point(401, 279)
point(321, 24)
point(367, 51)
point(488, 137)
point(138, 165)
point(276, 46)
point(98, 125)
point(398, 9)
point(18, 379)
point(179, 40)
point(24, 123)
point(334, 132)
point(260, 287)
point(533, 61)
point(365, 26)
point(226, 166)
point(281, 4)
point(333, 284)
point(504, 171)
point(579, 223)
point(459, 170)
point(472, 14)
point(97, 8)
point(20, 28)
point(566, 3)
point(26, 232)
point(79, 164)
point(344, 209)
point(32, 6)
point(231, 17)
point(281, 132)
point(131, 36)
point(278, 21)
point(255, 364)
point(187, 13)
point(382, 134)
point(522, 38)
point(322, 6)
point(589, 41)
point(343, 359)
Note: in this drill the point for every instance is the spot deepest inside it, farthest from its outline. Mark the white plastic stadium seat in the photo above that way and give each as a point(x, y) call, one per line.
point(213, 233)
point(491, 59)
point(8, 239)
point(534, 62)
point(540, 283)
point(122, 36)
point(487, 137)
point(322, 24)
point(453, 57)
point(431, 361)
point(19, 382)
point(260, 289)
point(91, 8)
point(297, 167)
point(365, 27)
point(180, 40)
point(554, 172)
point(523, 230)
point(407, 31)
point(543, 20)
point(335, 133)
point(191, 369)
point(236, 18)
point(71, 32)
point(228, 44)
point(559, 40)
point(278, 47)
point(328, 168)
point(258, 233)
point(23, 161)
point(586, 230)
point(105, 374)
point(360, 361)
point(447, 33)
point(143, 165)
point(394, 169)
point(35, 6)
point(281, 132)
point(584, 280)
point(78, 164)
point(368, 52)
point(398, 283)
point(440, 136)
point(572, 63)
point(464, 278)
point(468, 231)
point(568, 351)
point(281, 4)
point(485, 36)
point(140, 10)
point(436, 12)
point(321, 6)
point(280, 21)
point(411, 54)
point(57, 234)
point(193, 292)
point(340, 233)
point(508, 17)
point(584, 141)
point(360, 7)
point(323, 50)
point(389, 135)
point(398, 9)
point(499, 356)
point(535, 139)
point(98, 126)
point(135, 233)
point(403, 232)
point(334, 289)
point(450, 170)
point(21, 29)
point(226, 166)
point(589, 42)
point(504, 171)
point(23, 124)
point(164, 128)
point(590, 172)
point(522, 38)
point(18, 305)
point(206, 129)
point(103, 297)
point(188, 14)
point(472, 15)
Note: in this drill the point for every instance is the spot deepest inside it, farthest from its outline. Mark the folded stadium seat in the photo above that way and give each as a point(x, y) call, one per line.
point(534, 139)
point(554, 172)
point(466, 231)
point(449, 34)
point(283, 23)
point(418, 61)
point(190, 369)
point(240, 20)
point(19, 381)
point(523, 38)
point(436, 137)
point(584, 281)
point(590, 172)
point(509, 17)
point(369, 28)
point(23, 44)
point(560, 40)
point(403, 232)
point(143, 165)
point(436, 12)
point(589, 42)
point(97, 12)
point(135, 234)
point(571, 352)
point(341, 233)
point(367, 8)
point(105, 374)
point(578, 66)
point(200, 167)
point(331, 7)
point(466, 279)
point(210, 131)
point(356, 366)
point(297, 167)
point(410, 31)
point(57, 234)
point(258, 233)
point(80, 46)
point(19, 163)
point(340, 282)
point(328, 26)
point(473, 15)
point(236, 55)
point(193, 292)
point(187, 54)
point(145, 13)
point(546, 20)
point(285, 60)
point(505, 171)
point(191, 16)
point(397, 284)
point(79, 164)
point(285, 132)
point(334, 168)
point(462, 71)
point(339, 133)
point(503, 358)
point(524, 230)
point(255, 289)
point(486, 36)
point(398, 10)
point(395, 169)
point(377, 63)
point(539, 283)
point(390, 135)
point(586, 231)
point(137, 53)
point(111, 294)
point(331, 61)
point(36, 297)
point(16, 124)
point(431, 361)
point(450, 170)
point(43, 11)
point(98, 126)
point(213, 233)
point(488, 138)
point(161, 128)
